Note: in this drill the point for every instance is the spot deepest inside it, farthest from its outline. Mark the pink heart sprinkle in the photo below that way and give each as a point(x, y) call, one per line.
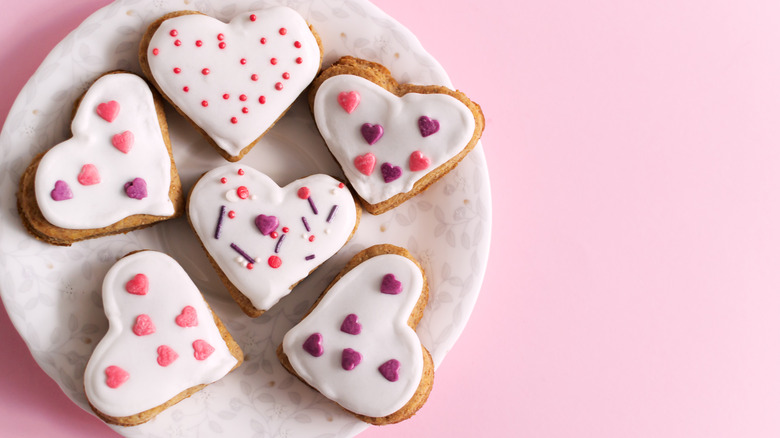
point(108, 110)
point(372, 133)
point(351, 325)
point(138, 285)
point(116, 376)
point(313, 345)
point(143, 325)
point(136, 189)
point(390, 173)
point(188, 317)
point(349, 100)
point(365, 163)
point(166, 355)
point(202, 349)
point(61, 191)
point(89, 175)
point(266, 224)
point(390, 285)
point(428, 126)
point(350, 359)
point(418, 161)
point(124, 141)
point(390, 369)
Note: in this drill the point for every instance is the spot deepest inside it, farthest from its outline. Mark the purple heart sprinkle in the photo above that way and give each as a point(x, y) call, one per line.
point(428, 126)
point(390, 285)
point(350, 359)
point(313, 345)
point(61, 191)
point(266, 224)
point(390, 369)
point(351, 325)
point(136, 189)
point(372, 133)
point(390, 173)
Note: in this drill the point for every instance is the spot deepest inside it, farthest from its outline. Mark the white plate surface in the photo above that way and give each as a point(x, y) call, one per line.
point(52, 294)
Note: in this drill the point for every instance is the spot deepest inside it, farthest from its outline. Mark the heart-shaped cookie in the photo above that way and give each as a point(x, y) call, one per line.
point(231, 80)
point(377, 369)
point(265, 238)
point(79, 188)
point(391, 140)
point(148, 361)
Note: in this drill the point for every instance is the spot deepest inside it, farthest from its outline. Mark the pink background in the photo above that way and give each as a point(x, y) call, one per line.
point(634, 278)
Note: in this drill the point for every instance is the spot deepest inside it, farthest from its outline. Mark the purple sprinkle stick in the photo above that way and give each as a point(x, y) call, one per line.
point(305, 223)
point(61, 191)
point(390, 173)
point(243, 254)
point(313, 207)
point(350, 359)
point(279, 243)
point(372, 133)
point(351, 325)
point(310, 257)
point(428, 126)
point(218, 231)
point(332, 213)
point(390, 369)
point(313, 345)
point(136, 188)
point(390, 285)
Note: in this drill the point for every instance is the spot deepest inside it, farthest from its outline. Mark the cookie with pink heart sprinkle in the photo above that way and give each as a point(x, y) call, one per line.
point(391, 140)
point(233, 80)
point(114, 175)
point(163, 343)
point(382, 374)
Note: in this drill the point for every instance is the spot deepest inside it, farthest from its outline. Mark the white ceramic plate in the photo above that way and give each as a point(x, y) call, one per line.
point(52, 294)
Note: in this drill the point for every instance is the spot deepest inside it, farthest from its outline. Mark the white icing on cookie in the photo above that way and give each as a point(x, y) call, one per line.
point(98, 195)
point(400, 136)
point(148, 383)
point(383, 335)
point(263, 284)
point(239, 77)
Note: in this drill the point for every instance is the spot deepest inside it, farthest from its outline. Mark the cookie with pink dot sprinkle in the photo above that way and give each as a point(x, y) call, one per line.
point(233, 80)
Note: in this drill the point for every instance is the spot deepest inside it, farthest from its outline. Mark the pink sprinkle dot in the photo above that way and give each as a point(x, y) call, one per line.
point(274, 262)
point(223, 180)
point(279, 86)
point(155, 51)
point(199, 43)
point(299, 60)
point(177, 43)
point(297, 44)
point(253, 17)
point(226, 96)
point(242, 192)
point(261, 99)
point(250, 266)
point(244, 110)
point(240, 171)
point(174, 32)
point(205, 103)
point(186, 89)
point(222, 45)
point(255, 77)
point(282, 31)
point(274, 235)
point(243, 61)
point(233, 120)
point(232, 214)
point(205, 71)
point(304, 193)
point(286, 75)
point(176, 70)
point(221, 36)
point(242, 97)
point(311, 238)
point(285, 230)
point(263, 40)
point(273, 61)
point(341, 185)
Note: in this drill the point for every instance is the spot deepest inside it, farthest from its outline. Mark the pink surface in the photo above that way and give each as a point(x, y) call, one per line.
point(634, 287)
